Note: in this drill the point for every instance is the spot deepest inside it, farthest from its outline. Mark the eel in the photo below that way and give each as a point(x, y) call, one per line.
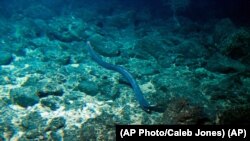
point(127, 75)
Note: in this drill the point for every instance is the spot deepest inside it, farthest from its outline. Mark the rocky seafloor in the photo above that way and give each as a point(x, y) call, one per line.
point(50, 88)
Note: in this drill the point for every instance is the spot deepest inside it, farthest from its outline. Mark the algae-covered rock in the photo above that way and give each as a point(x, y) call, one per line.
point(5, 58)
point(90, 88)
point(24, 96)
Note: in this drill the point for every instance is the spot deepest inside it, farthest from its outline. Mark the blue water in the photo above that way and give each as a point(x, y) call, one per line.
point(187, 58)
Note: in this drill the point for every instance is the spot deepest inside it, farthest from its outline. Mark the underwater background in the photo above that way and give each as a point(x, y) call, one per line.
point(190, 59)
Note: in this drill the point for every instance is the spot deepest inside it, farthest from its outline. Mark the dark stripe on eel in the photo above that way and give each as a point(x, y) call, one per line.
point(138, 93)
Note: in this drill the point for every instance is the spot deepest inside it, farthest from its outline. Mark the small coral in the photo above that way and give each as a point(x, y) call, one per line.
point(181, 112)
